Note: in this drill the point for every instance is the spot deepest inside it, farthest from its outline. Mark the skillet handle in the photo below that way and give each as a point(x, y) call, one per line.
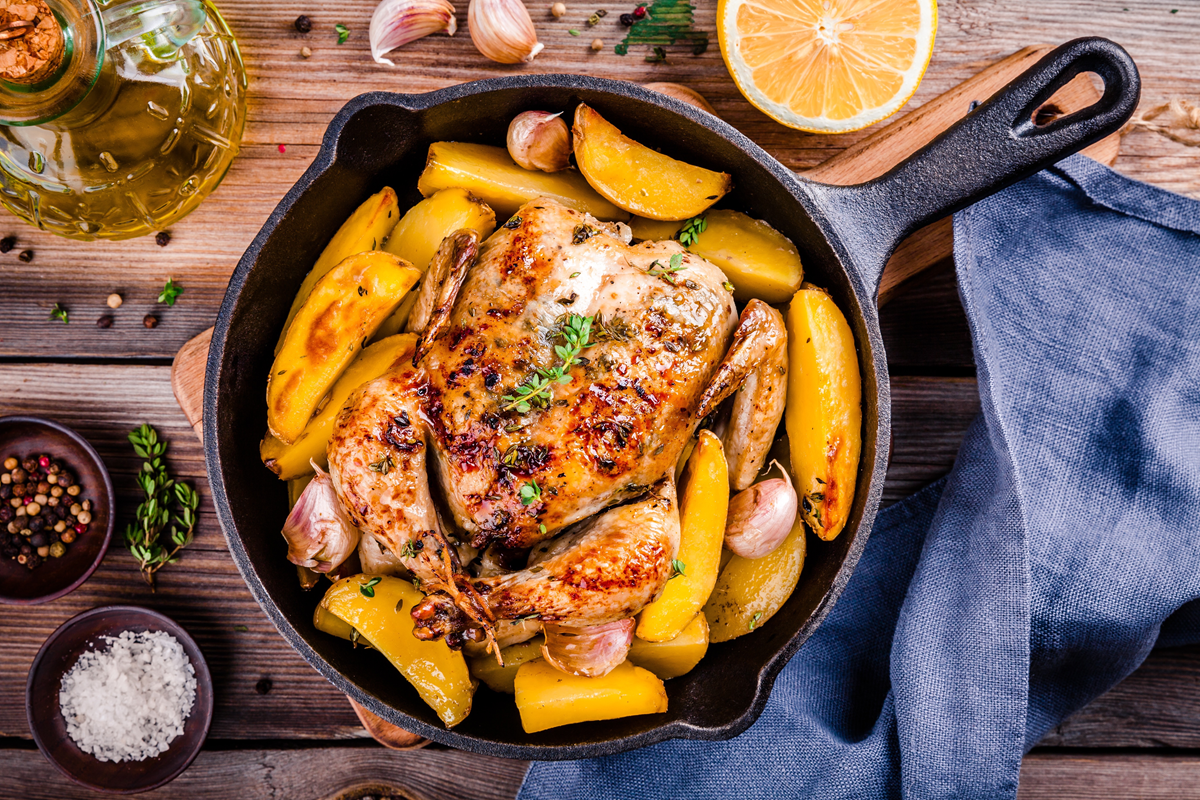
point(994, 146)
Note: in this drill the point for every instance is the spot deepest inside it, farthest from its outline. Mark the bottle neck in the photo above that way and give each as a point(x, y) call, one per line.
point(67, 85)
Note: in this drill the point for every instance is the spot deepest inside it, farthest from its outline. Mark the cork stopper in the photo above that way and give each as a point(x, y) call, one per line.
point(31, 41)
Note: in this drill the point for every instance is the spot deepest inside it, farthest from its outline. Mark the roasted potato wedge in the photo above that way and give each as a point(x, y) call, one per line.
point(676, 657)
point(365, 230)
point(337, 319)
point(422, 228)
point(750, 591)
point(292, 462)
point(824, 409)
point(638, 179)
point(500, 678)
point(703, 502)
point(378, 608)
point(548, 698)
point(758, 260)
point(490, 174)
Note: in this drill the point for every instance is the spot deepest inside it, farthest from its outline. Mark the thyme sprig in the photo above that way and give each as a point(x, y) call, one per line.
point(153, 520)
point(538, 389)
point(657, 270)
point(691, 230)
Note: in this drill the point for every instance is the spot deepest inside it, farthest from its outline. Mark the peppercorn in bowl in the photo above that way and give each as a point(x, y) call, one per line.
point(56, 510)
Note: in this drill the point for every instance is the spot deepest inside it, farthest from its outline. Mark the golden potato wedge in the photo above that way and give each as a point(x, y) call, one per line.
point(378, 607)
point(751, 590)
point(758, 260)
point(548, 698)
point(422, 228)
point(335, 322)
point(638, 179)
point(293, 462)
point(824, 409)
point(703, 503)
point(365, 230)
point(676, 657)
point(498, 678)
point(491, 175)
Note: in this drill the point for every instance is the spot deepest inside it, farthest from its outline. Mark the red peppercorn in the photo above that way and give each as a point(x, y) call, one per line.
point(43, 462)
point(27, 499)
point(639, 12)
point(80, 528)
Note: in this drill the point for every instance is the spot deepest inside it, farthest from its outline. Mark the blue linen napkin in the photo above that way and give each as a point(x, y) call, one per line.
point(1063, 546)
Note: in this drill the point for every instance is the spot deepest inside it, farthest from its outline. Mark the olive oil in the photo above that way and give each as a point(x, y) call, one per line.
point(150, 138)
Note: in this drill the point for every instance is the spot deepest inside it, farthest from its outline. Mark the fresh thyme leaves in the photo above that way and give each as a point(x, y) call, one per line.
point(526, 617)
point(755, 619)
point(541, 528)
point(513, 222)
point(573, 275)
point(58, 312)
point(538, 389)
point(657, 270)
point(728, 286)
point(677, 568)
point(530, 493)
point(383, 466)
point(343, 33)
point(613, 329)
point(368, 588)
point(525, 457)
point(408, 551)
point(416, 582)
point(153, 519)
point(691, 229)
point(170, 291)
point(581, 234)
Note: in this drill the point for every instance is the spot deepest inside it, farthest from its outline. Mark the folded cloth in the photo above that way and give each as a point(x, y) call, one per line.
point(1062, 547)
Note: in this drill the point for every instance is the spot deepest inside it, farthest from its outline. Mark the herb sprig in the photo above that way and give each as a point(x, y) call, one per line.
point(145, 535)
point(538, 389)
point(343, 33)
point(58, 312)
point(170, 291)
point(657, 270)
point(530, 493)
point(691, 230)
point(678, 568)
point(368, 588)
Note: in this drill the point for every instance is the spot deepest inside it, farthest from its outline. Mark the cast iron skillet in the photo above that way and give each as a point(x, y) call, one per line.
point(844, 234)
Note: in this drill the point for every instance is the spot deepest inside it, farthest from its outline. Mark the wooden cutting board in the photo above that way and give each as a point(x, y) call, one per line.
point(870, 158)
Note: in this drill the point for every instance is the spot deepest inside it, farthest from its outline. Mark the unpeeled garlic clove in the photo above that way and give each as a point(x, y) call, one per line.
point(682, 93)
point(397, 22)
point(539, 140)
point(503, 30)
point(592, 651)
point(761, 517)
point(319, 533)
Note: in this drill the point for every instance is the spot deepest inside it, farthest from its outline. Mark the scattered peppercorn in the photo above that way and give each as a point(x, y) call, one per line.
point(306, 52)
point(114, 300)
point(7, 243)
point(303, 24)
point(150, 321)
point(162, 238)
point(639, 12)
point(626, 19)
point(558, 9)
point(263, 686)
point(597, 44)
point(105, 321)
point(38, 526)
point(26, 256)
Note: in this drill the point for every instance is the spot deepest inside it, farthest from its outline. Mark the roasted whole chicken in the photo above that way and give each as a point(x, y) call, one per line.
point(522, 467)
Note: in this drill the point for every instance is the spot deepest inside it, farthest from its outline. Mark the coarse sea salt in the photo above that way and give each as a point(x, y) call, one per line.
point(128, 701)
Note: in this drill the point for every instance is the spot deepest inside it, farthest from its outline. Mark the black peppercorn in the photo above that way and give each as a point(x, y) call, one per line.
point(627, 20)
point(5, 492)
point(7, 243)
point(303, 23)
point(162, 238)
point(263, 686)
point(39, 539)
point(150, 321)
point(26, 256)
point(29, 464)
point(37, 523)
point(105, 321)
point(6, 512)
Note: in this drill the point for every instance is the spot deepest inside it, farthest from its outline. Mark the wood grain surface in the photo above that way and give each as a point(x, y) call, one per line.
point(280, 730)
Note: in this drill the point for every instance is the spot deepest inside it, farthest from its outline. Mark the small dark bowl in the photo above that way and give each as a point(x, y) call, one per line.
point(25, 436)
point(60, 652)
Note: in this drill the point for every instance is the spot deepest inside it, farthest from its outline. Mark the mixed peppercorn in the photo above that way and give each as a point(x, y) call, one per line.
point(42, 510)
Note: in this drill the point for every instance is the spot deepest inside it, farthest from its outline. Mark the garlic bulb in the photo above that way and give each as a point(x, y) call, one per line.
point(503, 31)
point(398, 22)
point(319, 533)
point(540, 140)
point(761, 517)
point(592, 651)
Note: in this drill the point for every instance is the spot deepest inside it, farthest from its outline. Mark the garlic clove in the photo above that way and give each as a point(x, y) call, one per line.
point(683, 94)
point(539, 140)
point(319, 533)
point(592, 651)
point(397, 22)
point(760, 517)
point(503, 30)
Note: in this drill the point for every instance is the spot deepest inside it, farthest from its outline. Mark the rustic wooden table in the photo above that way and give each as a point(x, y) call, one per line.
point(280, 730)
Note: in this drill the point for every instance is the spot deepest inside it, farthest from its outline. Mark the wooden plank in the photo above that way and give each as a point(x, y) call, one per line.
point(925, 328)
point(1104, 776)
point(292, 99)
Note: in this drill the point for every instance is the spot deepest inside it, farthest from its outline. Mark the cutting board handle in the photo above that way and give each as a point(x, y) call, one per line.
point(995, 145)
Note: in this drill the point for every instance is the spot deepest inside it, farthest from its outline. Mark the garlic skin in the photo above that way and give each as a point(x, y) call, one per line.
point(761, 517)
point(318, 531)
point(503, 30)
point(397, 22)
point(592, 651)
point(683, 94)
point(539, 140)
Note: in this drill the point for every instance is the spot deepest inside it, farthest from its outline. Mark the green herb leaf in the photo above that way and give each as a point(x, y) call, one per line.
point(368, 588)
point(691, 230)
point(530, 493)
point(408, 551)
point(754, 620)
point(677, 568)
point(541, 528)
point(728, 286)
point(538, 390)
point(383, 466)
point(154, 520)
point(170, 291)
point(58, 312)
point(573, 32)
point(343, 33)
point(240, 628)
